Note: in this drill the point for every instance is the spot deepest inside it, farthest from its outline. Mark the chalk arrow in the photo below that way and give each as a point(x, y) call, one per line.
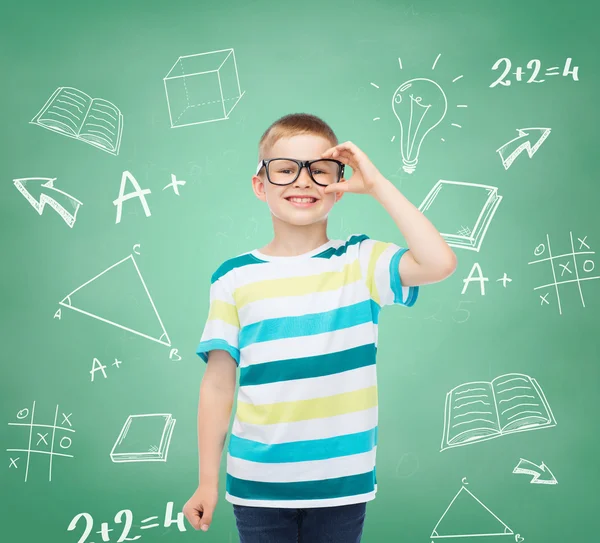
point(529, 468)
point(529, 139)
point(40, 191)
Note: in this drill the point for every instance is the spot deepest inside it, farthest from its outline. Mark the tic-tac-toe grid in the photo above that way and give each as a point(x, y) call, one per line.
point(41, 439)
point(564, 268)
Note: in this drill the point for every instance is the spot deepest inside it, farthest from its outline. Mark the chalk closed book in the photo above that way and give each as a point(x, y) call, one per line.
point(461, 212)
point(144, 438)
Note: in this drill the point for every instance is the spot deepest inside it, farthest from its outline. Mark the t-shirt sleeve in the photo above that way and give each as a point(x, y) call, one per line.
point(222, 324)
point(379, 263)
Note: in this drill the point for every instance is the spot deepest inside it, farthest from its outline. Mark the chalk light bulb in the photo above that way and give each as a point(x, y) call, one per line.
point(419, 105)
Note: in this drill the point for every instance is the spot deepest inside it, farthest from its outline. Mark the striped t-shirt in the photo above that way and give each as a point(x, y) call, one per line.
point(303, 331)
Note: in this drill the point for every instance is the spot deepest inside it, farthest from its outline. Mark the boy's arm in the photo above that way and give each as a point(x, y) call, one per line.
point(429, 258)
point(214, 413)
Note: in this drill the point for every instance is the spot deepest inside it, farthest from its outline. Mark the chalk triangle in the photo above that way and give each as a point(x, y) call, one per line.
point(119, 296)
point(467, 516)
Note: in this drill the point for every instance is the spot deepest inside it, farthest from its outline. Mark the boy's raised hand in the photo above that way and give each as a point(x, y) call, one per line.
point(200, 507)
point(365, 176)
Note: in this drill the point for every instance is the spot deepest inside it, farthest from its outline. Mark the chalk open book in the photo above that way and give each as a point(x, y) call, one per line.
point(483, 410)
point(461, 212)
point(144, 438)
point(73, 113)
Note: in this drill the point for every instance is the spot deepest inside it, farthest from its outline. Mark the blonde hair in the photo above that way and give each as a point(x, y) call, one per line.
point(293, 125)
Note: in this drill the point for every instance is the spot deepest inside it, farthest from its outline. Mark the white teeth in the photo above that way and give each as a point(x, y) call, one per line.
point(302, 200)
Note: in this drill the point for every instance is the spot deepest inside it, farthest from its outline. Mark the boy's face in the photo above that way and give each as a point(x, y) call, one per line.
point(301, 147)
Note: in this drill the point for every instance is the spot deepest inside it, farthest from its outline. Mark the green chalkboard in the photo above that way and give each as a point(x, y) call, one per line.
point(103, 305)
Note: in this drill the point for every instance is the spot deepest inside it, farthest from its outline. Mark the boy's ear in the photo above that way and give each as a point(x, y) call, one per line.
point(258, 186)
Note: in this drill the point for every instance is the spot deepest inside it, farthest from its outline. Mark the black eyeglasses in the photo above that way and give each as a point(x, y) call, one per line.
point(284, 171)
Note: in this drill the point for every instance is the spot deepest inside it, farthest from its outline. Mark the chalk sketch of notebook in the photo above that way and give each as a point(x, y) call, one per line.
point(144, 438)
point(461, 212)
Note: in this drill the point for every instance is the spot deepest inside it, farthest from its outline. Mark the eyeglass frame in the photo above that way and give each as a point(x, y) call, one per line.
point(302, 164)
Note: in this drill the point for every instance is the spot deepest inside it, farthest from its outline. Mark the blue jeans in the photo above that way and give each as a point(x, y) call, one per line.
point(338, 524)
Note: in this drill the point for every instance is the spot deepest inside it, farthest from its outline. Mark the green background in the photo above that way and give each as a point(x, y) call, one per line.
point(321, 58)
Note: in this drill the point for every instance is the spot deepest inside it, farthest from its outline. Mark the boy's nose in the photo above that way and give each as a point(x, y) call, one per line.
point(304, 179)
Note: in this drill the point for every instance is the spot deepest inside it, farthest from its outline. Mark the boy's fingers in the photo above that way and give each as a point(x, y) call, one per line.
point(337, 148)
point(196, 516)
point(329, 152)
point(345, 157)
point(347, 146)
point(195, 521)
point(193, 517)
point(342, 186)
point(206, 518)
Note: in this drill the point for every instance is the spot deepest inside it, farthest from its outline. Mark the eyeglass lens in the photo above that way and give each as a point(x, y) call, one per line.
point(324, 172)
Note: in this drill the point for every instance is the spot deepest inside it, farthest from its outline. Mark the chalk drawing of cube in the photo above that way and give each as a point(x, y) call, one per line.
point(202, 88)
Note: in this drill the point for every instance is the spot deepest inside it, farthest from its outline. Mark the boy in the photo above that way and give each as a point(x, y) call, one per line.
point(299, 317)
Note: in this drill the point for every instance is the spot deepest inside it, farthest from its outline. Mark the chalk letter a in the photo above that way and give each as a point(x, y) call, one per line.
point(479, 278)
point(97, 366)
point(138, 193)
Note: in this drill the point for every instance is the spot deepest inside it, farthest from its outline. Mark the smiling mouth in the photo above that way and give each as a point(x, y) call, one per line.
point(301, 200)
